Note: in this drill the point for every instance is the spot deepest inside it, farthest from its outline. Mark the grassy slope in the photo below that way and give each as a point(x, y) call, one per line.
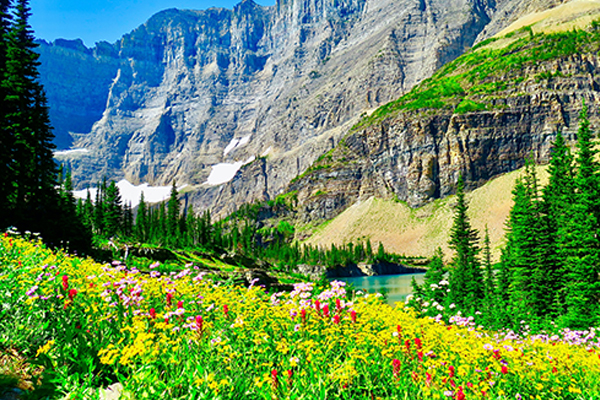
point(420, 231)
point(575, 14)
point(494, 69)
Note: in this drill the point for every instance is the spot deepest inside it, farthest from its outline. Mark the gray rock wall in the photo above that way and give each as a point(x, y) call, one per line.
point(166, 100)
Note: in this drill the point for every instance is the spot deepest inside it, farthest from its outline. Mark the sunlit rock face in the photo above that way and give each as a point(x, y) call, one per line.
point(190, 90)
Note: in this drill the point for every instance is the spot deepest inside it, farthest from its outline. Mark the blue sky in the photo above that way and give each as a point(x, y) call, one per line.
point(96, 20)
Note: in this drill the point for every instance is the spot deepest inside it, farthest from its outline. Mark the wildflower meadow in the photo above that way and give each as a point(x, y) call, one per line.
point(180, 335)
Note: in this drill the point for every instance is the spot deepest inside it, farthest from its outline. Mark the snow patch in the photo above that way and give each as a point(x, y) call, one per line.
point(224, 172)
point(236, 143)
point(70, 151)
point(266, 152)
point(131, 193)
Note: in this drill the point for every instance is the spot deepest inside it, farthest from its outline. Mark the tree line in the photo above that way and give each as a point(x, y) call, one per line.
point(106, 216)
point(549, 269)
point(29, 198)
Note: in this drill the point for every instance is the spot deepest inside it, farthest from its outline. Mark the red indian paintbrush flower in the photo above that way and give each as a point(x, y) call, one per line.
point(199, 323)
point(274, 382)
point(226, 310)
point(428, 379)
point(318, 305)
point(65, 282)
point(460, 395)
point(396, 367)
point(338, 305)
point(451, 371)
point(152, 313)
point(326, 310)
point(418, 343)
point(504, 369)
point(72, 294)
point(407, 344)
point(303, 315)
point(180, 304)
point(290, 373)
point(420, 355)
point(336, 319)
point(169, 298)
point(353, 316)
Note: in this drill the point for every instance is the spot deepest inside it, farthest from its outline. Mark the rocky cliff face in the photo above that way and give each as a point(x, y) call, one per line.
point(192, 89)
point(417, 155)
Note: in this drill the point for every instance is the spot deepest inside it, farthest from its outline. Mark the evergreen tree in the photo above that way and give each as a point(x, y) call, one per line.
point(488, 270)
point(88, 212)
point(35, 172)
point(113, 212)
point(581, 245)
point(433, 276)
point(99, 208)
point(172, 223)
point(141, 221)
point(466, 280)
point(7, 172)
point(127, 220)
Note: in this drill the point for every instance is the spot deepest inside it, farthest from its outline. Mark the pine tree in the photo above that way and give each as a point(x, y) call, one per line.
point(127, 228)
point(35, 172)
point(433, 276)
point(113, 211)
point(141, 221)
point(173, 211)
point(581, 244)
point(558, 197)
point(466, 280)
point(7, 172)
point(488, 270)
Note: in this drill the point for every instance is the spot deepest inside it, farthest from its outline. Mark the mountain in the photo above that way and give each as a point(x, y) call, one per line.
point(479, 116)
point(253, 95)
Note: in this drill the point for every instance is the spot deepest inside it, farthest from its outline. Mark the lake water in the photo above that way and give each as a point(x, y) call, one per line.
point(397, 287)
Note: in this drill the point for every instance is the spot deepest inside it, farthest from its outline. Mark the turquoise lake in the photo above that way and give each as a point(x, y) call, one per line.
point(396, 287)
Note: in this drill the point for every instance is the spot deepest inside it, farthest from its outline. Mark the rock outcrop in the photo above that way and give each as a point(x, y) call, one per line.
point(192, 89)
point(415, 156)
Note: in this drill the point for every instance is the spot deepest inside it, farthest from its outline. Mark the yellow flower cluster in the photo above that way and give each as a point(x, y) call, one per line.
point(241, 342)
